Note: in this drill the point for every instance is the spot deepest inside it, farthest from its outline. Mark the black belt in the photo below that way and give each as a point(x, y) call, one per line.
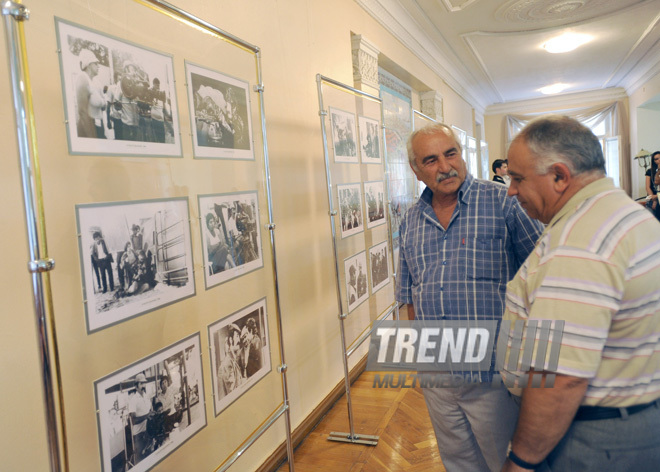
point(590, 413)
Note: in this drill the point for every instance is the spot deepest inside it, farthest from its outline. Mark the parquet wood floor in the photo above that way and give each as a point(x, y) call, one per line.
point(397, 415)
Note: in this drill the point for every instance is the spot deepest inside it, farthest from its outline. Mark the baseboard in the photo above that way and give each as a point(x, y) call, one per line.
point(308, 424)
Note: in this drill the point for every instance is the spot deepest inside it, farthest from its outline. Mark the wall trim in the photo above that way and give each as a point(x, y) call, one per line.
point(277, 458)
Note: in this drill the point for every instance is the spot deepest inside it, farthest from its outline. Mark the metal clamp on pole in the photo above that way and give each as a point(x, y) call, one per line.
point(270, 226)
point(42, 265)
point(258, 88)
point(282, 368)
point(17, 10)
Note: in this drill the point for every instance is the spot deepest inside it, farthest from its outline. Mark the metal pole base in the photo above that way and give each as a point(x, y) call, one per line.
point(363, 439)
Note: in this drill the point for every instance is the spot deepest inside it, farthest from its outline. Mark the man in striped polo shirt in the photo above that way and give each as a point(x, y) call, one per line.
point(597, 268)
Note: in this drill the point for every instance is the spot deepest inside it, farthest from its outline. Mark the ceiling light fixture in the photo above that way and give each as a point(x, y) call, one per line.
point(566, 42)
point(554, 88)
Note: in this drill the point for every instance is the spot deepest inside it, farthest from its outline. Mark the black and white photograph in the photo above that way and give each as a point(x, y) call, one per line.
point(355, 271)
point(370, 140)
point(150, 408)
point(119, 97)
point(374, 199)
point(220, 114)
point(135, 257)
point(380, 267)
point(344, 135)
point(231, 235)
point(350, 209)
point(240, 353)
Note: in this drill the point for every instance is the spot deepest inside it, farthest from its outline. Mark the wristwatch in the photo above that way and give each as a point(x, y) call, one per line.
point(520, 462)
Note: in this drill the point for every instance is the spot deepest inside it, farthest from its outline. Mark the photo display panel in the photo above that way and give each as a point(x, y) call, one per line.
point(119, 91)
point(358, 178)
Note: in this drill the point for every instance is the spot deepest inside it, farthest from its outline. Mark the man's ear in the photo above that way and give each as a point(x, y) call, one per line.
point(562, 176)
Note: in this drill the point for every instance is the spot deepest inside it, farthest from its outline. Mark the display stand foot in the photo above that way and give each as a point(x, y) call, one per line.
point(364, 439)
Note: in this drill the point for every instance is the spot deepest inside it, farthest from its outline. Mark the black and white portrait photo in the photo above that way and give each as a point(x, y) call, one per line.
point(355, 271)
point(135, 257)
point(231, 235)
point(344, 135)
point(220, 114)
point(380, 272)
point(150, 408)
point(370, 140)
point(240, 353)
point(119, 98)
point(350, 209)
point(374, 198)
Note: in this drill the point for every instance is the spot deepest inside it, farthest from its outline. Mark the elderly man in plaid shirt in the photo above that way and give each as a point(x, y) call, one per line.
point(460, 244)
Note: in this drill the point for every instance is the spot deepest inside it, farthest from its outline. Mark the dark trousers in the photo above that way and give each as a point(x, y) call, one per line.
point(105, 266)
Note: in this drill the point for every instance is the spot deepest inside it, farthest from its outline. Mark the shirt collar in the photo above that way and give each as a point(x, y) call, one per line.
point(594, 188)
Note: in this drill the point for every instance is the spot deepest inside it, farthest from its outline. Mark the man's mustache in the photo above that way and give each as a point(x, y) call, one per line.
point(451, 173)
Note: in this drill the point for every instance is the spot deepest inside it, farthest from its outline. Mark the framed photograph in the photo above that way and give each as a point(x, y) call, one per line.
point(344, 135)
point(380, 267)
point(231, 235)
point(135, 257)
point(355, 272)
point(150, 408)
point(350, 209)
point(370, 140)
point(374, 199)
point(220, 114)
point(119, 97)
point(240, 353)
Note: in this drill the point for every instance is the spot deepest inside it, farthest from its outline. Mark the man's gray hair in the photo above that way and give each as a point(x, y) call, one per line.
point(559, 139)
point(429, 130)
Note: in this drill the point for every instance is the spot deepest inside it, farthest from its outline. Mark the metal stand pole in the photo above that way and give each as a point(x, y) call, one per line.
point(39, 264)
point(350, 437)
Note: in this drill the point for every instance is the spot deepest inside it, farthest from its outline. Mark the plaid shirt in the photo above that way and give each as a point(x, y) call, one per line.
point(461, 273)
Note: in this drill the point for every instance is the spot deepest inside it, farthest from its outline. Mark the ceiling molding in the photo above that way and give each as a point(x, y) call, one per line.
point(449, 5)
point(641, 77)
point(567, 100)
point(395, 19)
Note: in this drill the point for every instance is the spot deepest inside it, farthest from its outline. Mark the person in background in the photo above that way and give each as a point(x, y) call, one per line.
point(596, 267)
point(460, 244)
point(500, 168)
point(89, 99)
point(651, 187)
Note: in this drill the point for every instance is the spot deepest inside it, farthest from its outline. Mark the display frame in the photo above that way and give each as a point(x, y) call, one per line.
point(379, 252)
point(225, 396)
point(342, 123)
point(355, 263)
point(93, 218)
point(224, 201)
point(351, 212)
point(237, 112)
point(124, 92)
point(370, 137)
point(131, 373)
point(377, 217)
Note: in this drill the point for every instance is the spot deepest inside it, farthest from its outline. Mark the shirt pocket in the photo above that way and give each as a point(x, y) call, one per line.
point(483, 258)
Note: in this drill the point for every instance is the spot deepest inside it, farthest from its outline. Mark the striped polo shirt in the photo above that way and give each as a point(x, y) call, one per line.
point(597, 267)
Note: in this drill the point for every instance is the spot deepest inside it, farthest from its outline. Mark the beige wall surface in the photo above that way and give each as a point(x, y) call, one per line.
point(298, 39)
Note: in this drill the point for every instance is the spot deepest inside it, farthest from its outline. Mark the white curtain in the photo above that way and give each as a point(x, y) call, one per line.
point(591, 117)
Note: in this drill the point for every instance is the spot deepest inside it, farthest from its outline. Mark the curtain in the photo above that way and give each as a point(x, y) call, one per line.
point(614, 112)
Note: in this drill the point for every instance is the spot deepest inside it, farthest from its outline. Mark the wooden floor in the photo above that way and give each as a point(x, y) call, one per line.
point(397, 415)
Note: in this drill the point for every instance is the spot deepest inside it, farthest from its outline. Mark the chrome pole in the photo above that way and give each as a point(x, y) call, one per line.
point(351, 437)
point(271, 227)
point(39, 264)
